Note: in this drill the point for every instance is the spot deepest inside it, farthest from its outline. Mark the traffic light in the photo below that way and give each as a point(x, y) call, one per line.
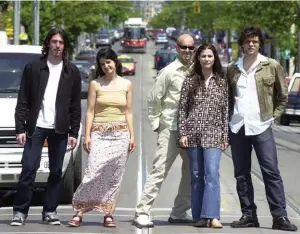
point(196, 6)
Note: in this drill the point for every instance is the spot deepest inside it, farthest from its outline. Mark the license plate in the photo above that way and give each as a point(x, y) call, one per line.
point(44, 163)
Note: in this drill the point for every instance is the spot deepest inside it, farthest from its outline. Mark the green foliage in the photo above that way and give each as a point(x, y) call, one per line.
point(3, 5)
point(274, 17)
point(75, 16)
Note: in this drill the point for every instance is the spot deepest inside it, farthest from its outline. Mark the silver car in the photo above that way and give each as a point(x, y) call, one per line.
point(161, 38)
point(104, 39)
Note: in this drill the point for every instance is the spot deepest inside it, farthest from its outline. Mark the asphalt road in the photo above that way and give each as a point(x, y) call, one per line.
point(140, 163)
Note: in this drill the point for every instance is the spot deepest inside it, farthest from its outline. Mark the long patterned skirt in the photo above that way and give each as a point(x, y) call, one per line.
point(106, 164)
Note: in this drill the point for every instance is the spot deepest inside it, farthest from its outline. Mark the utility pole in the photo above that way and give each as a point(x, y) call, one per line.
point(36, 17)
point(54, 23)
point(298, 57)
point(17, 6)
point(228, 36)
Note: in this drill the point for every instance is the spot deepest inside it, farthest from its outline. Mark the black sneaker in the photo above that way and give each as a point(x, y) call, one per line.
point(18, 219)
point(50, 218)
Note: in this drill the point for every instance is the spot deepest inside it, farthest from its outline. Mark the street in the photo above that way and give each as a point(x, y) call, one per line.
point(140, 163)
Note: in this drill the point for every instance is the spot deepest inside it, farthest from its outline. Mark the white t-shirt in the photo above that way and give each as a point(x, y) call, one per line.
point(47, 112)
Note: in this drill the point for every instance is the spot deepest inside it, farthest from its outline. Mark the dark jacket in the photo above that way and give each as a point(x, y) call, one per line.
point(31, 93)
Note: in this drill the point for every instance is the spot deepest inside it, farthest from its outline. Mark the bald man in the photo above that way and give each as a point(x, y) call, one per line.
point(162, 113)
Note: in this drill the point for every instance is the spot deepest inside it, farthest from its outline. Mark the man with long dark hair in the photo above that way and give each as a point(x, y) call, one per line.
point(258, 98)
point(48, 107)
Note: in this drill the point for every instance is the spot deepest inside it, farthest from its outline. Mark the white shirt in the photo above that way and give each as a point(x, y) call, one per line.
point(246, 106)
point(47, 112)
point(165, 94)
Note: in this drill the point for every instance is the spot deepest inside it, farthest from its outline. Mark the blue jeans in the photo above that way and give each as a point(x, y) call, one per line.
point(57, 145)
point(205, 183)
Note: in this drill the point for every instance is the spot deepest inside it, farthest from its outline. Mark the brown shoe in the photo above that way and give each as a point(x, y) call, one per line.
point(202, 223)
point(215, 223)
point(75, 221)
point(109, 223)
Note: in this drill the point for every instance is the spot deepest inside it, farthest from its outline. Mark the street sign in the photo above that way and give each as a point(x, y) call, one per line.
point(286, 54)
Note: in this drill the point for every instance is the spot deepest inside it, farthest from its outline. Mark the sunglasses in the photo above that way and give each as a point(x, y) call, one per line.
point(183, 47)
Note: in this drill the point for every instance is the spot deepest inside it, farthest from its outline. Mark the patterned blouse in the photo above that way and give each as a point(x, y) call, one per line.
point(203, 117)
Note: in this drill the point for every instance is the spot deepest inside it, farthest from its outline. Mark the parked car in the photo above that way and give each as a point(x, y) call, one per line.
point(164, 58)
point(292, 109)
point(128, 64)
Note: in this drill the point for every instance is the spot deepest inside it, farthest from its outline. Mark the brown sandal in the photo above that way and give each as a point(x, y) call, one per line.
point(75, 223)
point(107, 223)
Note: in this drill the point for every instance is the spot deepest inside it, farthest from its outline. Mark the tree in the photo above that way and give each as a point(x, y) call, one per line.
point(3, 5)
point(76, 17)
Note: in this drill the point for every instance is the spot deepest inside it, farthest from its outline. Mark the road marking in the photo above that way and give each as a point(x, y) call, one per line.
point(166, 216)
point(70, 208)
point(140, 158)
point(54, 232)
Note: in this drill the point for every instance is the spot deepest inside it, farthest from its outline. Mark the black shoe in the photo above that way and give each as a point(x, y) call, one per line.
point(51, 218)
point(245, 221)
point(202, 223)
point(283, 223)
point(185, 219)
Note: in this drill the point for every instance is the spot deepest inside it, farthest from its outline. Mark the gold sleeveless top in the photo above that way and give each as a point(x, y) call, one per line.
point(110, 106)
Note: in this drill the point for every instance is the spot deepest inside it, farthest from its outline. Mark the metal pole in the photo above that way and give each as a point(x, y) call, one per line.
point(36, 16)
point(17, 5)
point(298, 57)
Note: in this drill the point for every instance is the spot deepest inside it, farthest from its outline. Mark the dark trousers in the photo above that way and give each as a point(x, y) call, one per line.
point(57, 145)
point(265, 149)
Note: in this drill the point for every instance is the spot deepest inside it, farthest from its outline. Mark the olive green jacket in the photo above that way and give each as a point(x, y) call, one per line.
point(271, 89)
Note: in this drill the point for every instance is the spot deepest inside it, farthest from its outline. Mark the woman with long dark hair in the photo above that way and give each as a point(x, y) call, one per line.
point(109, 138)
point(203, 131)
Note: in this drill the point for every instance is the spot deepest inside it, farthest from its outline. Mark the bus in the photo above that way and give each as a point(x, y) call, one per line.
point(135, 36)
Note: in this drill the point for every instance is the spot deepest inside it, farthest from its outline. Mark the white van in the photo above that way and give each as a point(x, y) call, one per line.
point(3, 38)
point(12, 61)
point(292, 108)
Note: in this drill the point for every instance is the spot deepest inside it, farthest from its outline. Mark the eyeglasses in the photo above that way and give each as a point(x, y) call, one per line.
point(57, 41)
point(183, 47)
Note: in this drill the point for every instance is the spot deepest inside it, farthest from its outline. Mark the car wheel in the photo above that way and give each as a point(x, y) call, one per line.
point(133, 73)
point(68, 184)
point(284, 120)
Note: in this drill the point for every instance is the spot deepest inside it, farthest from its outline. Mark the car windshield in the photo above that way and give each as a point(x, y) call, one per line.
point(86, 53)
point(103, 35)
point(162, 35)
point(126, 60)
point(11, 69)
point(134, 33)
